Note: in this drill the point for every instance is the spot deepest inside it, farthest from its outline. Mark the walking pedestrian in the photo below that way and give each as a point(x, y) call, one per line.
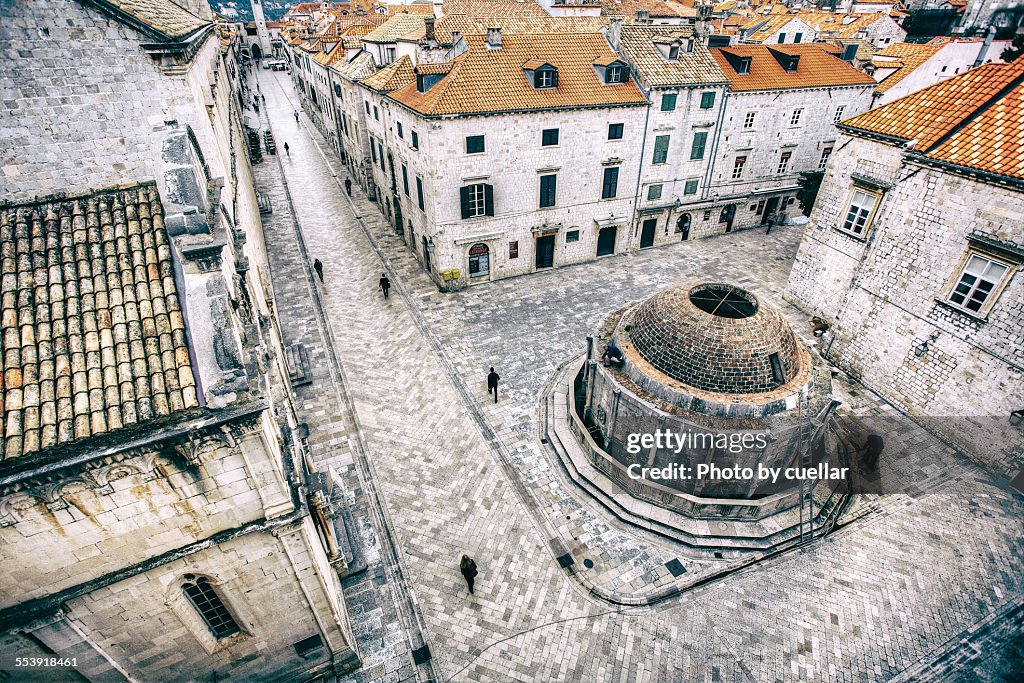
point(492, 383)
point(286, 152)
point(319, 268)
point(468, 568)
point(348, 186)
point(296, 116)
point(771, 224)
point(385, 285)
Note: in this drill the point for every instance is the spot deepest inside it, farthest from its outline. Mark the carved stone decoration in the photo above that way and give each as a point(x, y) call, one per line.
point(196, 447)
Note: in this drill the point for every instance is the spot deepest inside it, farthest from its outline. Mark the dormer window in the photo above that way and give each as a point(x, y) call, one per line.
point(615, 74)
point(611, 70)
point(673, 52)
point(541, 75)
point(743, 67)
point(545, 78)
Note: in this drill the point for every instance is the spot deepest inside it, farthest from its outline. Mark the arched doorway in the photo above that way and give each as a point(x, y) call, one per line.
point(257, 53)
point(683, 226)
point(479, 260)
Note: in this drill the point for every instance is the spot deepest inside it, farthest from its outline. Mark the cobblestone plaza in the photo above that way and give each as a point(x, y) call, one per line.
point(907, 588)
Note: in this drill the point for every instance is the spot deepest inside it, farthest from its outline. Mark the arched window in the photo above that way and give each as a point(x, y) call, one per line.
point(683, 225)
point(209, 605)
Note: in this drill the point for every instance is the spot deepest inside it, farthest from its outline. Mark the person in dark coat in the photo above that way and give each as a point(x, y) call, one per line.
point(468, 568)
point(385, 285)
point(286, 152)
point(319, 268)
point(492, 383)
point(348, 186)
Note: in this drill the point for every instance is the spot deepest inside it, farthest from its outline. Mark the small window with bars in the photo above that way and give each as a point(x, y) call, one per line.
point(209, 605)
point(737, 167)
point(839, 114)
point(794, 120)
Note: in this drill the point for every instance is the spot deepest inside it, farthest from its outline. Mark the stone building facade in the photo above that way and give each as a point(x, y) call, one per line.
point(154, 519)
point(913, 255)
point(782, 110)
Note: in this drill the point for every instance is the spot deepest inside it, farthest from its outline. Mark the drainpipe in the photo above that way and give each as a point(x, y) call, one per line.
point(706, 189)
point(639, 171)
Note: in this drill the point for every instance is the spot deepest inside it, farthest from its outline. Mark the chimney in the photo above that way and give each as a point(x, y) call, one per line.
point(985, 46)
point(613, 32)
point(428, 27)
point(643, 17)
point(494, 38)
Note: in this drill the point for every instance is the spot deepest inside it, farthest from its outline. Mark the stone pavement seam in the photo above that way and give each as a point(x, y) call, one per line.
point(414, 625)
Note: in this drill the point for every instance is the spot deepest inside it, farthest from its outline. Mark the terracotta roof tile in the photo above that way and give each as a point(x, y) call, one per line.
point(910, 56)
point(397, 26)
point(492, 81)
point(92, 330)
point(467, 24)
point(974, 120)
point(493, 8)
point(654, 8)
point(654, 69)
point(360, 67)
point(392, 77)
point(817, 68)
point(839, 25)
point(162, 16)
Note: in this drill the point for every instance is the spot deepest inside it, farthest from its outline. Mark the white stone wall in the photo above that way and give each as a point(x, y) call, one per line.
point(884, 32)
point(883, 294)
point(513, 163)
point(772, 135)
point(954, 58)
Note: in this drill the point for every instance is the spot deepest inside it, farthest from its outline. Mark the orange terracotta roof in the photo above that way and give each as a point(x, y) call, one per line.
point(817, 68)
point(840, 25)
point(494, 8)
point(473, 24)
point(484, 81)
point(396, 27)
point(975, 120)
point(92, 326)
point(654, 8)
point(910, 56)
point(395, 75)
point(425, 8)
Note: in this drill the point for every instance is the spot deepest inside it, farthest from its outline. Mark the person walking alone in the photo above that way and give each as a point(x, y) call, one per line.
point(385, 285)
point(319, 268)
point(492, 383)
point(296, 116)
point(286, 152)
point(348, 186)
point(468, 568)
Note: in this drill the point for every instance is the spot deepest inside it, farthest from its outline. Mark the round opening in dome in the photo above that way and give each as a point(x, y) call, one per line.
point(724, 301)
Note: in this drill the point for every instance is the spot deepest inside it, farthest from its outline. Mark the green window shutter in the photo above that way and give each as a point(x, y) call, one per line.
point(489, 200)
point(699, 142)
point(660, 149)
point(464, 194)
point(668, 101)
point(611, 183)
point(707, 100)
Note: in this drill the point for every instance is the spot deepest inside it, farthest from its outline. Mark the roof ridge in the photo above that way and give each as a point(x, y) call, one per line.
point(985, 106)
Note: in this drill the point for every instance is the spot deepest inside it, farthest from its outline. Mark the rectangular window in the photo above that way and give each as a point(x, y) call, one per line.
point(380, 148)
point(707, 100)
point(545, 78)
point(839, 114)
point(477, 200)
point(474, 144)
point(784, 163)
point(798, 37)
point(415, 139)
point(660, 149)
point(366, 103)
point(653, 192)
point(344, 123)
point(782, 38)
point(399, 124)
point(699, 142)
point(572, 236)
point(549, 137)
point(614, 74)
point(858, 214)
point(737, 167)
point(748, 119)
point(548, 188)
point(376, 113)
point(405, 180)
point(979, 278)
point(825, 154)
point(610, 183)
point(690, 187)
point(209, 605)
point(373, 150)
point(419, 192)
point(513, 249)
point(615, 131)
point(794, 120)
point(668, 101)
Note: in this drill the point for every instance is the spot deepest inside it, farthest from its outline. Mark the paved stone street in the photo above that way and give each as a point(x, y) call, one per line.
point(398, 407)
